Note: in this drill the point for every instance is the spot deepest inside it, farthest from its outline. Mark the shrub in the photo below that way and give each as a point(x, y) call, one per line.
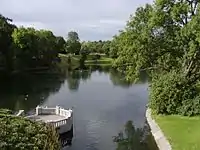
point(191, 107)
point(96, 57)
point(5, 111)
point(18, 133)
point(171, 93)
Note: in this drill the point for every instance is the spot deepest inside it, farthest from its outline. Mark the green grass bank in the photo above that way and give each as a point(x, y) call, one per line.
point(183, 133)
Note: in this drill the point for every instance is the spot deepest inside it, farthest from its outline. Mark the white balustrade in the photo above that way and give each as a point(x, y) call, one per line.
point(45, 110)
point(59, 123)
point(57, 111)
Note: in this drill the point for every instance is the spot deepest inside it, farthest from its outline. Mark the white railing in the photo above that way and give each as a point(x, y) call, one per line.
point(63, 112)
point(51, 111)
point(57, 111)
point(20, 113)
point(59, 123)
point(45, 110)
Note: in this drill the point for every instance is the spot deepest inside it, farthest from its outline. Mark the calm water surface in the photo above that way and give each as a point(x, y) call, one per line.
point(107, 110)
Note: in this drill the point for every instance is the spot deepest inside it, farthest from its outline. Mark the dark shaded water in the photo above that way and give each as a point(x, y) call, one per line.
point(109, 113)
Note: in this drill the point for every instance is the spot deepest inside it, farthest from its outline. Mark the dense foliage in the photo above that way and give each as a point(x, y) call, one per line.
point(171, 94)
point(34, 48)
point(73, 44)
point(6, 54)
point(22, 48)
point(100, 47)
point(17, 133)
point(27, 48)
point(163, 38)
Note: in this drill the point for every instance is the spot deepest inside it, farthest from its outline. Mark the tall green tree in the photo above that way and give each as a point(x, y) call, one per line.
point(73, 36)
point(73, 44)
point(101, 47)
point(163, 39)
point(34, 47)
point(6, 54)
point(61, 43)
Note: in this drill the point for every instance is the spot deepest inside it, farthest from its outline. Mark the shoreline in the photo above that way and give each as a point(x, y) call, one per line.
point(159, 137)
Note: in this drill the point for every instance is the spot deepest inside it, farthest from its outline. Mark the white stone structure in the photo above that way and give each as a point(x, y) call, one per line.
point(161, 140)
point(60, 118)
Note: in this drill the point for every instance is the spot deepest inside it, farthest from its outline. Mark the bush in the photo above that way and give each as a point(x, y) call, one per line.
point(191, 107)
point(96, 57)
point(5, 111)
point(18, 133)
point(170, 93)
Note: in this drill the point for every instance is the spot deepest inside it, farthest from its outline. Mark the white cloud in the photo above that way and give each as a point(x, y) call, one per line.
point(92, 19)
point(37, 25)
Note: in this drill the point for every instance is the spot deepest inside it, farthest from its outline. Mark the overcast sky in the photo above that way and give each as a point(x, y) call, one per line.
point(92, 19)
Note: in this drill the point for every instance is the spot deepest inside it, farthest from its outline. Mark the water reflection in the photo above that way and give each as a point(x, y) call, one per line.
point(101, 97)
point(118, 79)
point(135, 138)
point(27, 90)
point(73, 77)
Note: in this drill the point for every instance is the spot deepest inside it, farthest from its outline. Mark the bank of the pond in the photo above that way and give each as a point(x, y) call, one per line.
point(91, 59)
point(183, 133)
point(160, 139)
point(103, 60)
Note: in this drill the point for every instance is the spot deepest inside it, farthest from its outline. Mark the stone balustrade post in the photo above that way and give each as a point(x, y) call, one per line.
point(38, 110)
point(57, 110)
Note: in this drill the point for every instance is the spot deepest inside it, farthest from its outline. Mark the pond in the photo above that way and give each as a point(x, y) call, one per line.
point(109, 113)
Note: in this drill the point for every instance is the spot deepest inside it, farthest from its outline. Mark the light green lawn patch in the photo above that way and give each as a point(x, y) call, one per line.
point(100, 61)
point(183, 133)
point(90, 59)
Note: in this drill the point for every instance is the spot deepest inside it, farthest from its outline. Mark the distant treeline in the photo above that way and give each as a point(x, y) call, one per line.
point(24, 48)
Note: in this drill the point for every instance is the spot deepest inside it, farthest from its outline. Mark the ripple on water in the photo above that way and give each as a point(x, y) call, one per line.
point(93, 133)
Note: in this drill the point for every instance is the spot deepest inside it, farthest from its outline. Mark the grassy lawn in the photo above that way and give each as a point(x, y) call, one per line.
point(90, 59)
point(183, 133)
point(102, 60)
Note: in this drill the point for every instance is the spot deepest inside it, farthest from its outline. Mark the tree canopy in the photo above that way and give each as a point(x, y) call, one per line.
point(73, 44)
point(23, 48)
point(101, 47)
point(6, 29)
point(162, 38)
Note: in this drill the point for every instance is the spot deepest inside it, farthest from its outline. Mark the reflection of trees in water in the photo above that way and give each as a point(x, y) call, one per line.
point(84, 73)
point(143, 78)
point(27, 90)
point(75, 76)
point(135, 138)
point(118, 79)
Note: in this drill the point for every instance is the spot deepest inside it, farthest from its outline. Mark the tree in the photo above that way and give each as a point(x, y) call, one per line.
point(73, 36)
point(101, 47)
point(85, 48)
point(73, 45)
point(115, 46)
point(61, 43)
point(131, 46)
point(163, 38)
point(106, 47)
point(25, 41)
point(34, 48)
point(6, 54)
point(49, 51)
